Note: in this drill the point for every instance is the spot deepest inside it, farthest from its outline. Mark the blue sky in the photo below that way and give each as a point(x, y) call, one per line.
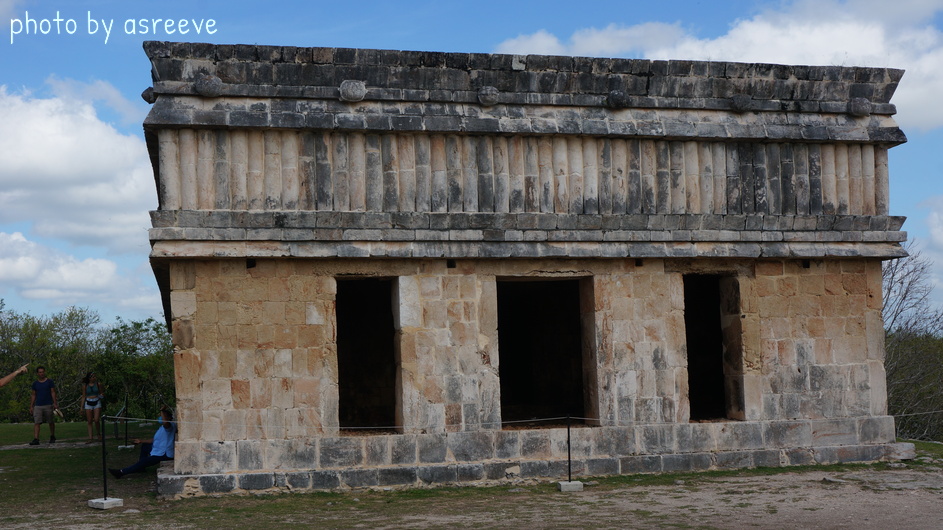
point(76, 184)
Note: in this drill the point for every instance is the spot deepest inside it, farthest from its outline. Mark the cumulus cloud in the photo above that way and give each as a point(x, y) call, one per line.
point(72, 176)
point(7, 8)
point(829, 32)
point(541, 42)
point(33, 271)
point(99, 91)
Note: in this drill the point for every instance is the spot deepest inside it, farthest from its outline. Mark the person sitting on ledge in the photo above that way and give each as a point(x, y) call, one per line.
point(155, 450)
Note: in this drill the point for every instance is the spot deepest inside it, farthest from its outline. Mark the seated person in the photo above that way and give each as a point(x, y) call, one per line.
point(155, 450)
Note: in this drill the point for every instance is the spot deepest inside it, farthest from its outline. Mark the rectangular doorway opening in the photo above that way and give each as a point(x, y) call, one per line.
point(545, 364)
point(366, 355)
point(715, 358)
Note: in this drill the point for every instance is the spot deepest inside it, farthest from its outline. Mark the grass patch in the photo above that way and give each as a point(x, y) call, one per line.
point(930, 449)
point(73, 431)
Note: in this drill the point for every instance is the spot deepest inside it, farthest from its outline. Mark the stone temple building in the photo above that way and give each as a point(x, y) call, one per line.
point(389, 268)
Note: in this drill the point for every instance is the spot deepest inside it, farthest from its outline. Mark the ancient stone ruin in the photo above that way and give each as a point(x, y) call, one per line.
point(389, 268)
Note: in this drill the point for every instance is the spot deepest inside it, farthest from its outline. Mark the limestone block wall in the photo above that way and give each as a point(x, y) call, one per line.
point(206, 169)
point(257, 382)
point(820, 338)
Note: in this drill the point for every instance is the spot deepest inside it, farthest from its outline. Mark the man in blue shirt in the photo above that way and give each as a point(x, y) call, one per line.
point(42, 404)
point(155, 450)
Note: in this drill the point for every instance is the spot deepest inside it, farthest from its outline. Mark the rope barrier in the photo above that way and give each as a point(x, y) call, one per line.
point(447, 425)
point(377, 427)
point(917, 413)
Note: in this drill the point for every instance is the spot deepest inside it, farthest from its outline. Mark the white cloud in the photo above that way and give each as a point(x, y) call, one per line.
point(37, 272)
point(7, 8)
point(99, 91)
point(613, 40)
point(827, 32)
point(541, 42)
point(72, 176)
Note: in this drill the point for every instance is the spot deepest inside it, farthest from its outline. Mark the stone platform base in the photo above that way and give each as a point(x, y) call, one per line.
point(173, 486)
point(105, 504)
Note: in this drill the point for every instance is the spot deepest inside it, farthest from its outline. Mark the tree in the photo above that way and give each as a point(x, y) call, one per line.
point(63, 343)
point(134, 360)
point(913, 330)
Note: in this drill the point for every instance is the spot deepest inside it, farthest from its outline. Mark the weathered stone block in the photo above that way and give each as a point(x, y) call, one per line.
point(740, 436)
point(432, 448)
point(506, 444)
point(217, 483)
point(341, 452)
point(900, 451)
point(300, 480)
point(471, 446)
point(840, 431)
point(696, 437)
point(876, 430)
point(397, 476)
point(250, 454)
point(800, 457)
point(219, 457)
point(359, 478)
point(640, 464)
point(322, 480)
point(171, 485)
point(535, 444)
point(496, 470)
point(256, 481)
point(686, 462)
point(786, 434)
point(656, 438)
point(734, 459)
point(377, 451)
point(767, 458)
point(437, 474)
point(469, 472)
point(602, 466)
point(533, 469)
point(403, 450)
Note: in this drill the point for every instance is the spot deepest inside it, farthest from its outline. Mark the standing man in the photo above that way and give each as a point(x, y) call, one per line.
point(42, 404)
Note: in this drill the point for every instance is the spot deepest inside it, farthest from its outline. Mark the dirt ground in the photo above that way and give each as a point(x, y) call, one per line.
point(894, 498)
point(897, 498)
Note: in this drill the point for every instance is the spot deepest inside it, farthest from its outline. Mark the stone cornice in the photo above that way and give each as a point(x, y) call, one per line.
point(383, 90)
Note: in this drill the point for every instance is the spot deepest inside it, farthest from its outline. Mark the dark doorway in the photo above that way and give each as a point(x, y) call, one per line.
point(366, 359)
point(712, 325)
point(541, 350)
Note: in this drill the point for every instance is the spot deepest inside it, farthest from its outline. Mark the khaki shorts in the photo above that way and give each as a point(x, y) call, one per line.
point(43, 414)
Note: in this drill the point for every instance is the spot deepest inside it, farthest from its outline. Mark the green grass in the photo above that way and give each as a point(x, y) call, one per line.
point(21, 433)
point(931, 449)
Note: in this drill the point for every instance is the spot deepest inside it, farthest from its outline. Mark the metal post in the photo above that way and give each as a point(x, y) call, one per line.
point(125, 421)
point(569, 461)
point(104, 460)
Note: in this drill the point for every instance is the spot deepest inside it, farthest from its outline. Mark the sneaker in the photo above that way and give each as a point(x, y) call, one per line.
point(52, 439)
point(35, 441)
point(116, 473)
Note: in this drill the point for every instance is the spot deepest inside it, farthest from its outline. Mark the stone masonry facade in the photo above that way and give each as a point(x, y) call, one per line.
point(637, 195)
